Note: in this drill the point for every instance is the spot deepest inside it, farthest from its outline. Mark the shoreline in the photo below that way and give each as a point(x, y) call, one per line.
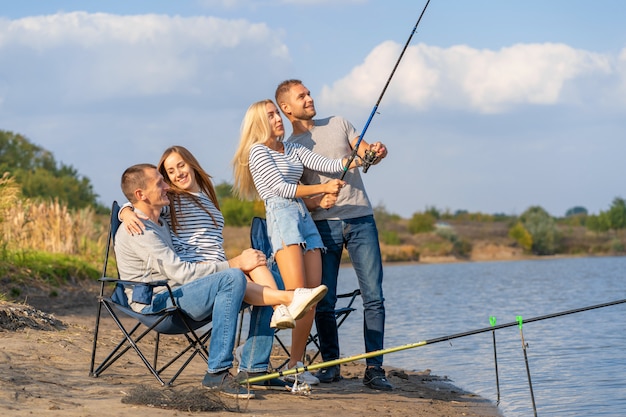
point(432, 260)
point(45, 372)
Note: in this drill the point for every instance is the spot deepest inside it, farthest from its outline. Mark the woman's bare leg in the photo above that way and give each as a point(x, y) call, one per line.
point(294, 265)
point(260, 295)
point(263, 276)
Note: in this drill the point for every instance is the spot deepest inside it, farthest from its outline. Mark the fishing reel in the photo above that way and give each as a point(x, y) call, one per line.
point(368, 159)
point(301, 388)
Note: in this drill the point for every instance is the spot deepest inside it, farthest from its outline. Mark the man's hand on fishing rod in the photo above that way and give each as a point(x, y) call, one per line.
point(327, 201)
point(373, 155)
point(370, 154)
point(321, 201)
point(379, 150)
point(333, 186)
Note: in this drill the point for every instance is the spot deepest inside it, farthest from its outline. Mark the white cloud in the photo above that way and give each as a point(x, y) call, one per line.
point(621, 71)
point(238, 4)
point(83, 57)
point(461, 77)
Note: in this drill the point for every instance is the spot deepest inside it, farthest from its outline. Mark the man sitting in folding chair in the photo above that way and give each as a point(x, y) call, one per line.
point(201, 290)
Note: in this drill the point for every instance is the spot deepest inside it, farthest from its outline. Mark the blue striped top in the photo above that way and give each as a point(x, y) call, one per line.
point(277, 174)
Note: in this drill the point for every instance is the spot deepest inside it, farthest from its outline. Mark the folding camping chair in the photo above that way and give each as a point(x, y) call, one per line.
point(169, 321)
point(260, 240)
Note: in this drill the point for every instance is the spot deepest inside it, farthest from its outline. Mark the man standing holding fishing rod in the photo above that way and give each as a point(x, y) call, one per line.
point(346, 219)
point(343, 220)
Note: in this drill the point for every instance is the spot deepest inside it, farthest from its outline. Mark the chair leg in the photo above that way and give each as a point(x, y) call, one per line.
point(95, 340)
point(198, 344)
point(285, 349)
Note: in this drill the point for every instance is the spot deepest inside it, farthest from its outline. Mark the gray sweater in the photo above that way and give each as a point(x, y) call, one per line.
point(150, 256)
point(331, 138)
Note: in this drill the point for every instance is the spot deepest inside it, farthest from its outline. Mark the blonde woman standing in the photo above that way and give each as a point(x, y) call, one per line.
point(266, 167)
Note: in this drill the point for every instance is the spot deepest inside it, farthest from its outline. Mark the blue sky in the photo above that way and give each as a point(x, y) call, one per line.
point(496, 106)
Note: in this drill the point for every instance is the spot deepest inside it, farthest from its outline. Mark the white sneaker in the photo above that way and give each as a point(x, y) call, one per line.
point(281, 319)
point(304, 299)
point(305, 376)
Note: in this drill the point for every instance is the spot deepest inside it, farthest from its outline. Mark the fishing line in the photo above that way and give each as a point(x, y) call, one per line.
point(298, 370)
point(370, 157)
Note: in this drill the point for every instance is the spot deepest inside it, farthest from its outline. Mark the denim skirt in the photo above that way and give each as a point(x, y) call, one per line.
point(289, 223)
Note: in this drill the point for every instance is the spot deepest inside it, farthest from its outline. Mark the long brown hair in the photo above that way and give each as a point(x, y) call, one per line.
point(202, 178)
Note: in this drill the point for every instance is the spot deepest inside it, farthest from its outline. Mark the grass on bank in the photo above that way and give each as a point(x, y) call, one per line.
point(46, 245)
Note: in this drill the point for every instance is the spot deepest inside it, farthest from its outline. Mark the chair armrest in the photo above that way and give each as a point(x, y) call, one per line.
point(158, 283)
point(153, 284)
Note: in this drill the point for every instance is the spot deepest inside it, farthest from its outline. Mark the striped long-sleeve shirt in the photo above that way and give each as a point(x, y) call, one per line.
point(150, 256)
point(277, 174)
point(197, 237)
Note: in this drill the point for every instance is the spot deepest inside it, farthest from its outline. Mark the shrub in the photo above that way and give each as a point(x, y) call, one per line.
point(521, 236)
point(422, 223)
point(542, 228)
point(240, 213)
point(389, 237)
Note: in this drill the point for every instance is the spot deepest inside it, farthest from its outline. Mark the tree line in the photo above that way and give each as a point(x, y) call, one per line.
point(41, 177)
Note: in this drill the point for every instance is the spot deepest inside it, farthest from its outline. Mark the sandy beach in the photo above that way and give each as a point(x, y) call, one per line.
point(45, 351)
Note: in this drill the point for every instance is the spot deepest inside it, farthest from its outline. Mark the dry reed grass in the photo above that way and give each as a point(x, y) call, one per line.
point(47, 226)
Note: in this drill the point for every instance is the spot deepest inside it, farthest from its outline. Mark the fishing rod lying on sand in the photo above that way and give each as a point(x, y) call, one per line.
point(298, 370)
point(370, 156)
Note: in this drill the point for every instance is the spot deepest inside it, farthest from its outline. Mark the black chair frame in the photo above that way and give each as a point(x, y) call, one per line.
point(169, 321)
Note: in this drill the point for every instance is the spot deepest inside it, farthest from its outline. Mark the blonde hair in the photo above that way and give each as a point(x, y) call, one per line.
point(202, 178)
point(255, 128)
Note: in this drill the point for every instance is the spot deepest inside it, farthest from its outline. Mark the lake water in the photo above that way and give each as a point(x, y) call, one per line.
point(577, 362)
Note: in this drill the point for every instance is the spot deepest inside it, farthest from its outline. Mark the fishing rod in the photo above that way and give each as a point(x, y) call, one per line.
point(492, 321)
point(520, 322)
point(370, 157)
point(298, 370)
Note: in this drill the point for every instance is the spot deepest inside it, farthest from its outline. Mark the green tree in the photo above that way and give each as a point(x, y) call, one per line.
point(598, 223)
point(383, 217)
point(39, 175)
point(223, 190)
point(617, 214)
point(612, 219)
point(422, 223)
point(523, 238)
point(389, 237)
point(576, 211)
point(433, 211)
point(237, 212)
point(543, 230)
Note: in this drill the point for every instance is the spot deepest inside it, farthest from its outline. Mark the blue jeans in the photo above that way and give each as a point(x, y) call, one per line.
point(255, 356)
point(360, 237)
point(218, 295)
point(290, 223)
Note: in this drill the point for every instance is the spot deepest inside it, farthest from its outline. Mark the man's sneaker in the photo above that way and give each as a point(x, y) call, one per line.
point(224, 384)
point(276, 384)
point(375, 379)
point(330, 374)
point(281, 319)
point(305, 376)
point(304, 299)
